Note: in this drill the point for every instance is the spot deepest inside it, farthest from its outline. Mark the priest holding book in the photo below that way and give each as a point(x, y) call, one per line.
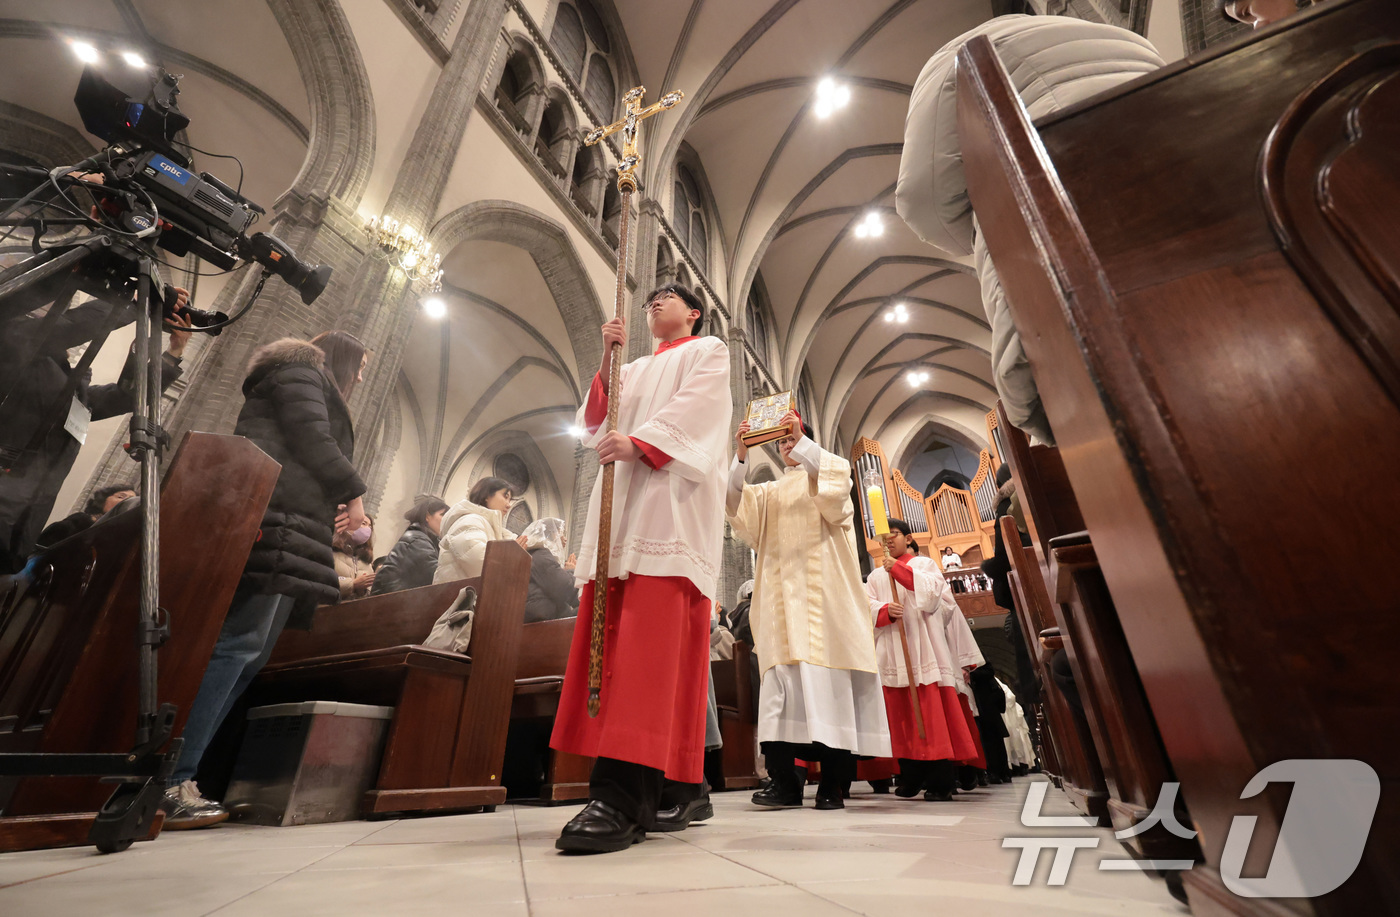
point(819, 696)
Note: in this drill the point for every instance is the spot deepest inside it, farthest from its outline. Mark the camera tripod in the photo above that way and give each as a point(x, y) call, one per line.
point(142, 772)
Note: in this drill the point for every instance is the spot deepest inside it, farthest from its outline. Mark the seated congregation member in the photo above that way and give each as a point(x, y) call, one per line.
point(819, 698)
point(1257, 13)
point(102, 502)
point(909, 592)
point(414, 559)
point(354, 559)
point(553, 593)
point(295, 410)
point(468, 526)
point(1054, 62)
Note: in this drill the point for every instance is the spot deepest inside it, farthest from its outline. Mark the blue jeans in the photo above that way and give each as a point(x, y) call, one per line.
point(251, 628)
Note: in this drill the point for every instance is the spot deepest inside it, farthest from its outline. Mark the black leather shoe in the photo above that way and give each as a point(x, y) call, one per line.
point(678, 818)
point(775, 797)
point(906, 790)
point(938, 796)
point(599, 828)
point(880, 786)
point(831, 800)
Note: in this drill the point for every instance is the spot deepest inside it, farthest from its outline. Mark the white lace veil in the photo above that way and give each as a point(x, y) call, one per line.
point(546, 533)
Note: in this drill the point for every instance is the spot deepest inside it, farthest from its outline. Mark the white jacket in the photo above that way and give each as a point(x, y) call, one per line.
point(1054, 62)
point(466, 528)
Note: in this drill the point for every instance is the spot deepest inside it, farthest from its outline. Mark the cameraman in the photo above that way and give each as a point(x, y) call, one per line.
point(28, 492)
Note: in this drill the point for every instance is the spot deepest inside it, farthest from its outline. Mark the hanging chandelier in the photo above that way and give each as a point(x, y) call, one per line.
point(407, 249)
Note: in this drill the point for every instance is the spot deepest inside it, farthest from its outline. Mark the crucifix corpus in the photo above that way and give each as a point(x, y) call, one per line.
point(626, 185)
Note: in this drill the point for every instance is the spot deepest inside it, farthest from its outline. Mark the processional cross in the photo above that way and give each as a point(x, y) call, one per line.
point(626, 185)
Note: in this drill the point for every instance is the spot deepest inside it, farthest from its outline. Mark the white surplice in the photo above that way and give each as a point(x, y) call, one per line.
point(669, 522)
point(940, 642)
point(815, 642)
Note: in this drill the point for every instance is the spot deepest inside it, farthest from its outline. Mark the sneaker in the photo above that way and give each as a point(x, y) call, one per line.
point(185, 808)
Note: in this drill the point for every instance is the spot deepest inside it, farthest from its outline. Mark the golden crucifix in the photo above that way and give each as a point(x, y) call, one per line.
point(626, 184)
point(626, 181)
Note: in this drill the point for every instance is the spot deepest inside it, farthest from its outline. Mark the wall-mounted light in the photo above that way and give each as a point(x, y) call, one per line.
point(134, 60)
point(871, 226)
point(831, 96)
point(408, 250)
point(434, 307)
point(576, 432)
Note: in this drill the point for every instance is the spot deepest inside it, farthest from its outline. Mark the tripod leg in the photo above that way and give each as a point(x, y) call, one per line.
point(145, 442)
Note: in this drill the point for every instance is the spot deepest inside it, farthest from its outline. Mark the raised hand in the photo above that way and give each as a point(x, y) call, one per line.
point(741, 449)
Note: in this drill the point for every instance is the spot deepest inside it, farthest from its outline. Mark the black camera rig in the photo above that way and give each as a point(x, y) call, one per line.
point(147, 195)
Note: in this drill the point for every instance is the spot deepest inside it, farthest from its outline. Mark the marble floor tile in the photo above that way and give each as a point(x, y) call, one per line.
point(628, 873)
point(457, 889)
point(730, 902)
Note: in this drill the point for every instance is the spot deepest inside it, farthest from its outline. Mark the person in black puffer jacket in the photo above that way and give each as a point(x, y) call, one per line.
point(295, 411)
point(413, 561)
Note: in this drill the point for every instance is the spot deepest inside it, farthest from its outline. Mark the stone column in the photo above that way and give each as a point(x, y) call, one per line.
point(737, 563)
point(646, 225)
point(384, 305)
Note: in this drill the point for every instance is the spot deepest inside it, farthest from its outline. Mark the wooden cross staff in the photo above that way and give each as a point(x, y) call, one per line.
point(626, 185)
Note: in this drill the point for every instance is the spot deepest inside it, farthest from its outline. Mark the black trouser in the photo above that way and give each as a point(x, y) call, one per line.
point(838, 764)
point(991, 726)
point(638, 791)
point(939, 776)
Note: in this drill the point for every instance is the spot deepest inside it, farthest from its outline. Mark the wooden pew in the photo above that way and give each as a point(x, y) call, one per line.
point(733, 680)
point(1075, 761)
point(1134, 763)
point(68, 666)
point(1117, 725)
point(539, 677)
point(447, 739)
point(1197, 264)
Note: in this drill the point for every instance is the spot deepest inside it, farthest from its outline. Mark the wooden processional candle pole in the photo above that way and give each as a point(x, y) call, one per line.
point(626, 186)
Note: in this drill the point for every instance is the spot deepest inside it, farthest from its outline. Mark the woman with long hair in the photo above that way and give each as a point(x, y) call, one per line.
point(295, 410)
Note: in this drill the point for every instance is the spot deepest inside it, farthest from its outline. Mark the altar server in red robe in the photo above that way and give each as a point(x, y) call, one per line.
point(911, 593)
point(671, 452)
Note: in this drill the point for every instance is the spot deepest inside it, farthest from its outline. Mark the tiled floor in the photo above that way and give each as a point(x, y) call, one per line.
point(880, 856)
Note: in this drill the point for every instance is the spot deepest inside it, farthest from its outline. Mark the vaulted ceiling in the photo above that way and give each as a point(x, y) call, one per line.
point(791, 187)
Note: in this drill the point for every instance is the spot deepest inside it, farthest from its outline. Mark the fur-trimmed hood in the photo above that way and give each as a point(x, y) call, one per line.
point(282, 353)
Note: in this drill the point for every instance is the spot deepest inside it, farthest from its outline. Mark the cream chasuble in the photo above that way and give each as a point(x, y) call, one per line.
point(668, 522)
point(808, 604)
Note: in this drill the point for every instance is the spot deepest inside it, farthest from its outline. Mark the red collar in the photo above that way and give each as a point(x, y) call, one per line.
point(676, 343)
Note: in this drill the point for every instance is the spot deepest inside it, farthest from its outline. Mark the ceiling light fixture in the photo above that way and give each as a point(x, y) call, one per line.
point(134, 60)
point(434, 308)
point(407, 249)
point(898, 314)
point(85, 52)
point(831, 96)
point(871, 226)
point(916, 377)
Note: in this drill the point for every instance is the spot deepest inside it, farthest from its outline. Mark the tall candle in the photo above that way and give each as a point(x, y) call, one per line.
point(876, 496)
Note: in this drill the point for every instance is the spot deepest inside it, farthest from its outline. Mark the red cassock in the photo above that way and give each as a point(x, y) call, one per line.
point(949, 729)
point(656, 659)
point(656, 662)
